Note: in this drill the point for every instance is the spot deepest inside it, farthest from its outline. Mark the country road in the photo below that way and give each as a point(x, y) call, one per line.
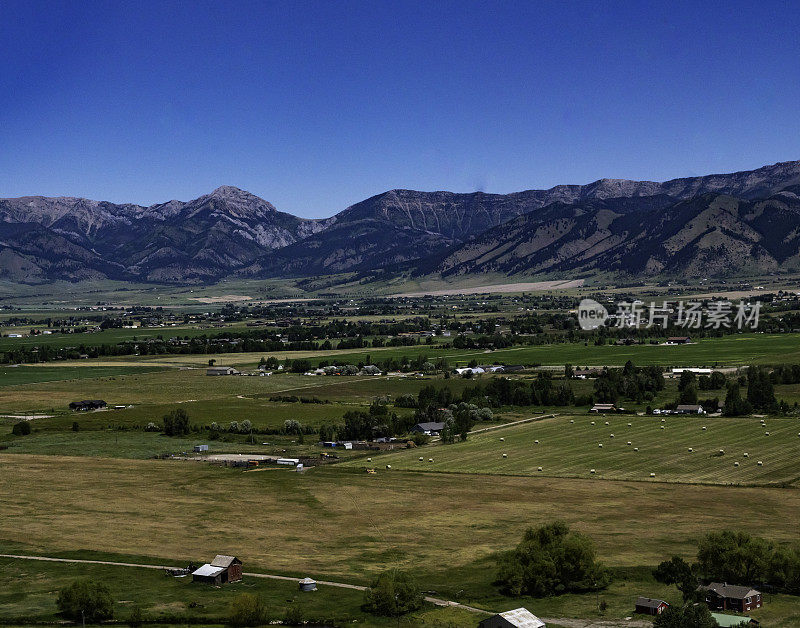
point(561, 621)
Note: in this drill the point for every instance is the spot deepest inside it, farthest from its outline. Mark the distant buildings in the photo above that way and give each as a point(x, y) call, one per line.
point(86, 405)
point(431, 428)
point(221, 370)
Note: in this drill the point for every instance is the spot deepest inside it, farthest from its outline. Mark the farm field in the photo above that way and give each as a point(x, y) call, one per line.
point(346, 525)
point(735, 350)
point(566, 449)
point(16, 375)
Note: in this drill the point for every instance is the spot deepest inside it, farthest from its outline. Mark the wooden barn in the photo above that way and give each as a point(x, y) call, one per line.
point(650, 606)
point(86, 405)
point(219, 571)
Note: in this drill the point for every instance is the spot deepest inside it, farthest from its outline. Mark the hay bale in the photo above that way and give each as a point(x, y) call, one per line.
point(612, 436)
point(735, 464)
point(690, 450)
point(539, 469)
point(430, 459)
point(704, 428)
point(607, 423)
point(652, 475)
point(629, 443)
point(536, 442)
point(388, 466)
point(746, 455)
point(505, 455)
point(759, 463)
point(421, 459)
point(600, 445)
point(592, 422)
point(635, 449)
point(630, 424)
point(591, 471)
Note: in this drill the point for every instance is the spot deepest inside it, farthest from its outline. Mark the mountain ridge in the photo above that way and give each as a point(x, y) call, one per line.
point(231, 232)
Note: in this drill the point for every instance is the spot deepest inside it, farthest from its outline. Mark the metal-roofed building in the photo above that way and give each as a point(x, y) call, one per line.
point(518, 618)
point(219, 571)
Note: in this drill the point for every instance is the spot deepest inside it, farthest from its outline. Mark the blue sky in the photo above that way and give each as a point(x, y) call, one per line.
point(317, 105)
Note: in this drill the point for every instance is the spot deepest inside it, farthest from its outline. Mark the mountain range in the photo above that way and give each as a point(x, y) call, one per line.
point(744, 222)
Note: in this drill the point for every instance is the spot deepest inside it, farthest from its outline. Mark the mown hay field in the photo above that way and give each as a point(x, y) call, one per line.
point(570, 446)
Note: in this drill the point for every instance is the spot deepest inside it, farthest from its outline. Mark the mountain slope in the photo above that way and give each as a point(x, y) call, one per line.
point(707, 235)
point(403, 225)
point(611, 224)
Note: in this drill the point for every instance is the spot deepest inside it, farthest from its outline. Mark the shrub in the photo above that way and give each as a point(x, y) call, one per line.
point(691, 616)
point(551, 560)
point(23, 428)
point(75, 426)
point(151, 427)
point(247, 609)
point(86, 600)
point(176, 423)
point(135, 619)
point(392, 594)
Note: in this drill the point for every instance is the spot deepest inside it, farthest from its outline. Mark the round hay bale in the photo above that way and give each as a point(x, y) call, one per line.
point(635, 449)
point(766, 433)
point(612, 436)
point(746, 455)
point(759, 463)
point(722, 452)
point(607, 423)
point(652, 475)
point(629, 443)
point(536, 441)
point(369, 459)
point(572, 420)
point(735, 464)
point(704, 428)
point(690, 450)
point(591, 471)
point(505, 455)
point(502, 440)
point(592, 422)
point(630, 424)
point(662, 427)
point(539, 469)
point(430, 459)
point(421, 459)
point(388, 466)
point(600, 445)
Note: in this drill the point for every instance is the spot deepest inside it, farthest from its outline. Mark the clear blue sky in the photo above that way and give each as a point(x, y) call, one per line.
point(317, 105)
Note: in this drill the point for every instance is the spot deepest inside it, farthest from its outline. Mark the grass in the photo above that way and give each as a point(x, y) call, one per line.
point(567, 449)
point(347, 525)
point(17, 375)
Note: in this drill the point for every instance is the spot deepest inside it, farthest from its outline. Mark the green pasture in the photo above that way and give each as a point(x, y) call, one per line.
point(567, 449)
point(16, 375)
point(342, 524)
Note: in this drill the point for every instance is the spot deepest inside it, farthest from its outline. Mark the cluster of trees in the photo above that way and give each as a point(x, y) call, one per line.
point(736, 558)
point(86, 601)
point(760, 394)
point(22, 428)
point(393, 593)
point(634, 383)
point(551, 560)
point(376, 422)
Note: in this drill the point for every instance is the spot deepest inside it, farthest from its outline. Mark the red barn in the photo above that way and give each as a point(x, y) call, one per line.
point(650, 606)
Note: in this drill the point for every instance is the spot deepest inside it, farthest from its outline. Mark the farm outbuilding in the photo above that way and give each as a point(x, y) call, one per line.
point(650, 606)
point(219, 571)
point(431, 428)
point(603, 407)
point(87, 404)
point(724, 597)
point(307, 584)
point(518, 618)
point(689, 409)
point(221, 370)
